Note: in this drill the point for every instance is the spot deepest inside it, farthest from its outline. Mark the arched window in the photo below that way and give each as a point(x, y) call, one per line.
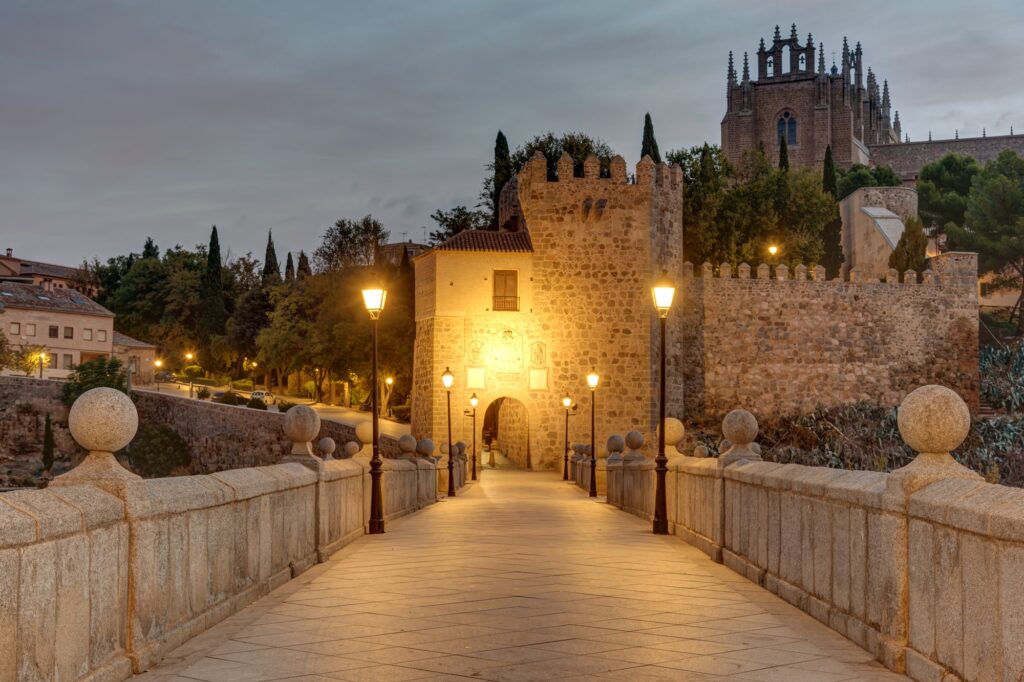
point(786, 129)
point(803, 62)
point(771, 63)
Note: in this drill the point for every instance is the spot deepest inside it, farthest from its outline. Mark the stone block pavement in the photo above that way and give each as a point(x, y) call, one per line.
point(522, 577)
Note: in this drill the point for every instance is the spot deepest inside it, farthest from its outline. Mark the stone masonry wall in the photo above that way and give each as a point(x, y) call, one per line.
point(908, 158)
point(788, 347)
point(24, 404)
point(514, 431)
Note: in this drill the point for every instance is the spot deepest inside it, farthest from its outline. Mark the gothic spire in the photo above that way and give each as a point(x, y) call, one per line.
point(761, 48)
point(821, 58)
point(731, 75)
point(792, 34)
point(885, 94)
point(746, 68)
point(778, 36)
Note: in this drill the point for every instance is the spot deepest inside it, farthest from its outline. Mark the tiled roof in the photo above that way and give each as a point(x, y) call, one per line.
point(489, 240)
point(125, 340)
point(18, 295)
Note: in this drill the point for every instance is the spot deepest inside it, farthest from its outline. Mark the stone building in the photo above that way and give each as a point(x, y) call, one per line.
point(873, 222)
point(520, 316)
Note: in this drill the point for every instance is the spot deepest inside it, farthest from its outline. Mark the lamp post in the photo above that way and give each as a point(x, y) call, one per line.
point(662, 292)
point(447, 379)
point(189, 356)
point(772, 251)
point(474, 401)
point(389, 383)
point(566, 403)
point(373, 299)
point(592, 380)
point(42, 359)
point(158, 363)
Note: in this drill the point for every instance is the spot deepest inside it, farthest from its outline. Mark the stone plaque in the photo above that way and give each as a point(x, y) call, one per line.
point(475, 377)
point(538, 379)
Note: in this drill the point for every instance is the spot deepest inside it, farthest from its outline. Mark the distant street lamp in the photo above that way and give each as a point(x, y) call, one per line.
point(158, 363)
point(772, 251)
point(189, 356)
point(662, 292)
point(567, 404)
point(474, 401)
point(42, 359)
point(388, 387)
point(592, 380)
point(373, 299)
point(447, 380)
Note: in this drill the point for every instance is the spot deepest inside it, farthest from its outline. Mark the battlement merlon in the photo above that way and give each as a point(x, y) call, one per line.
point(648, 173)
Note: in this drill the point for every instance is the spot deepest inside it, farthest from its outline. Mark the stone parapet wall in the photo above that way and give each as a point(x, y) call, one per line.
point(779, 342)
point(908, 158)
point(96, 585)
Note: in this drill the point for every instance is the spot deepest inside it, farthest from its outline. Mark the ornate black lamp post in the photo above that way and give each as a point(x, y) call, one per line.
point(567, 404)
point(474, 401)
point(447, 379)
point(592, 380)
point(662, 292)
point(374, 298)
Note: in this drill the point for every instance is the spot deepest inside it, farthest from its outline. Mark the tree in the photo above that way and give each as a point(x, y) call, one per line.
point(578, 145)
point(649, 145)
point(454, 221)
point(303, 270)
point(859, 175)
point(943, 187)
point(212, 314)
point(289, 269)
point(271, 270)
point(706, 175)
point(99, 372)
point(910, 251)
point(994, 221)
point(28, 357)
point(150, 249)
point(350, 243)
point(157, 451)
point(783, 155)
point(7, 354)
point(832, 256)
point(502, 174)
point(48, 445)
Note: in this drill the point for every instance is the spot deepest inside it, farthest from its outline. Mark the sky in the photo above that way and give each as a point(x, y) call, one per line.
point(122, 119)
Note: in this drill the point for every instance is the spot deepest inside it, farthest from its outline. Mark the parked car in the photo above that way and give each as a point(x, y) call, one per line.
point(165, 377)
point(265, 396)
point(217, 395)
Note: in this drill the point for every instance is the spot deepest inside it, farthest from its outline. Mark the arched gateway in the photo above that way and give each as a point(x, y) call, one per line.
point(506, 429)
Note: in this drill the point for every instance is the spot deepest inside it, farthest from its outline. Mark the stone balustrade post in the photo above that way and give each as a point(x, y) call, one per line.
point(301, 426)
point(326, 447)
point(407, 446)
point(634, 441)
point(613, 470)
point(739, 427)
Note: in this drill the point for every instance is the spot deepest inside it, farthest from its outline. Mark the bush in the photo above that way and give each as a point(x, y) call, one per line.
point(156, 451)
point(284, 405)
point(102, 371)
point(256, 404)
point(402, 413)
point(202, 393)
point(1002, 377)
point(231, 398)
point(242, 385)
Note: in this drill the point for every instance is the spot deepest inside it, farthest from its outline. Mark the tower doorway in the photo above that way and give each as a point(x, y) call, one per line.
point(506, 434)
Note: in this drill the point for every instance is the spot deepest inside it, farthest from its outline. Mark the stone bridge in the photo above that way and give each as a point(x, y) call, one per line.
point(775, 572)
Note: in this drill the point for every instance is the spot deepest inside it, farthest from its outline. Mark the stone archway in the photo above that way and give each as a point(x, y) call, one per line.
point(507, 426)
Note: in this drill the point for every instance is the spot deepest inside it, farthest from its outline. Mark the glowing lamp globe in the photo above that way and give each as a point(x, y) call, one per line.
point(448, 379)
point(663, 292)
point(474, 401)
point(373, 299)
point(567, 402)
point(593, 379)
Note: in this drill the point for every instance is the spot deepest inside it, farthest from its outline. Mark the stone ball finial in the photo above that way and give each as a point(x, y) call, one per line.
point(616, 443)
point(425, 447)
point(460, 448)
point(103, 420)
point(407, 444)
point(674, 430)
point(933, 419)
point(351, 448)
point(364, 433)
point(739, 427)
point(326, 446)
point(701, 451)
point(634, 440)
point(301, 424)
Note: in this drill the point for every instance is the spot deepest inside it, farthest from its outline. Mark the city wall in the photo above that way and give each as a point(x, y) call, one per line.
point(101, 580)
point(776, 342)
point(908, 158)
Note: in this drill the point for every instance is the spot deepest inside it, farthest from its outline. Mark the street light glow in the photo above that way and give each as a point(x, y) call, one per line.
point(158, 363)
point(773, 249)
point(474, 401)
point(567, 401)
point(373, 299)
point(389, 381)
point(448, 379)
point(663, 292)
point(593, 379)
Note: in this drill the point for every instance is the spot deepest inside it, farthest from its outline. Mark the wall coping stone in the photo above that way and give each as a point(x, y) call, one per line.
point(54, 518)
point(16, 526)
point(98, 508)
point(249, 482)
point(949, 503)
point(700, 466)
point(337, 469)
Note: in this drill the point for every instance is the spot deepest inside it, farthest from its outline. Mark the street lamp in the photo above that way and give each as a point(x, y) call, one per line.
point(592, 380)
point(42, 359)
point(373, 299)
point(158, 363)
point(474, 401)
point(447, 379)
point(388, 384)
point(662, 292)
point(189, 356)
point(772, 250)
point(567, 404)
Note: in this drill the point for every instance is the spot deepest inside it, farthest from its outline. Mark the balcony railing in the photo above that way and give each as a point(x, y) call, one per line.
point(505, 303)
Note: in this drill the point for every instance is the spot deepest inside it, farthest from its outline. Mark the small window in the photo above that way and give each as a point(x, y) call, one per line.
point(506, 290)
point(771, 63)
point(68, 361)
point(69, 332)
point(30, 329)
point(101, 334)
point(51, 360)
point(16, 328)
point(786, 129)
point(87, 334)
point(803, 63)
point(54, 331)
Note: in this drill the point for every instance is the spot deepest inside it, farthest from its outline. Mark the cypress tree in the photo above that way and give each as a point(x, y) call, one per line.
point(303, 271)
point(48, 445)
point(212, 315)
point(271, 270)
point(649, 146)
point(149, 249)
point(783, 154)
point(289, 269)
point(502, 174)
point(832, 259)
point(910, 250)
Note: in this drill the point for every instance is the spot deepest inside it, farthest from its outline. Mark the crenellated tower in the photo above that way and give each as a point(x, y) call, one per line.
point(795, 97)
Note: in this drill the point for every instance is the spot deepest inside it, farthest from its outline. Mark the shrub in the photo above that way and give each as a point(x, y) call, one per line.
point(202, 393)
point(242, 385)
point(231, 398)
point(284, 405)
point(256, 404)
point(402, 413)
point(158, 450)
point(91, 374)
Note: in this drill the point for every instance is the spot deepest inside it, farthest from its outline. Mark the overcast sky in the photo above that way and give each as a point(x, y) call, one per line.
point(123, 119)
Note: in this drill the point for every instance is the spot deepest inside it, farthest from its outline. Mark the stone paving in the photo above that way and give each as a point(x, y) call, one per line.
point(522, 577)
